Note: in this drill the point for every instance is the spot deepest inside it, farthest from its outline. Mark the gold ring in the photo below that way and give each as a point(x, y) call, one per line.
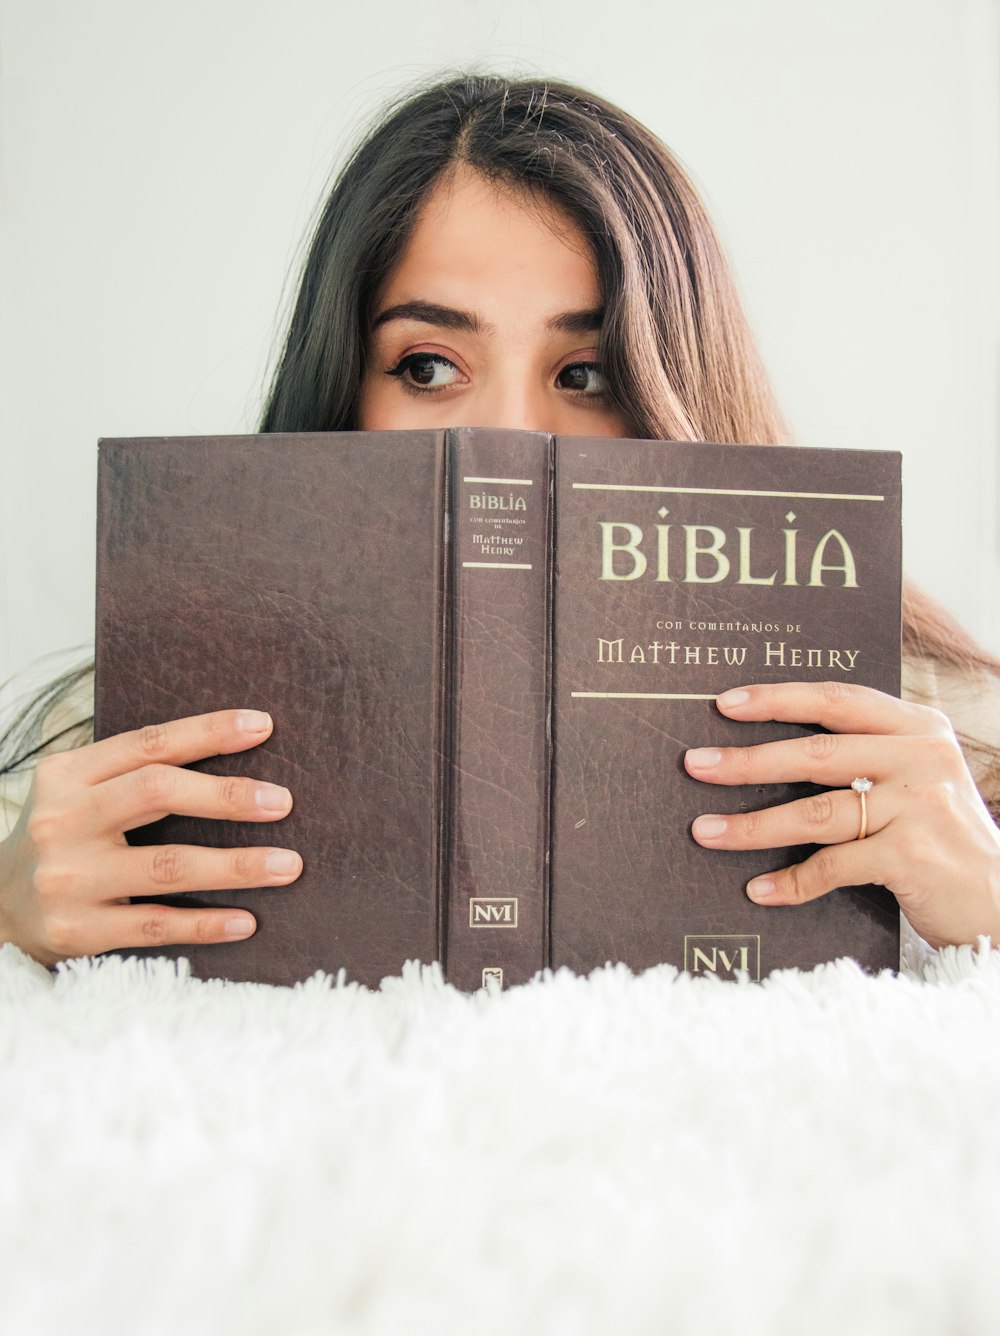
point(862, 786)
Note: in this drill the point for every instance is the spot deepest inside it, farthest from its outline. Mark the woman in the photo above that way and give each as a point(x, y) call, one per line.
point(522, 254)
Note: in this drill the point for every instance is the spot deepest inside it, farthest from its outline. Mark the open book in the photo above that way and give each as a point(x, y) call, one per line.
point(485, 653)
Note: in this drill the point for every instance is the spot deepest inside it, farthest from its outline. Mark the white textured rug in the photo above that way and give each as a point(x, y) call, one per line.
point(819, 1153)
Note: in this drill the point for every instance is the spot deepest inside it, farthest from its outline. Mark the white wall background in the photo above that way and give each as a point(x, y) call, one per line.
point(160, 163)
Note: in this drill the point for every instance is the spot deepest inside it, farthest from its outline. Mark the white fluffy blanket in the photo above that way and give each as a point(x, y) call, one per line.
point(816, 1154)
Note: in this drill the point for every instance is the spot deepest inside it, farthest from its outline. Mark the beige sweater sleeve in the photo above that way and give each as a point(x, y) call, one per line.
point(972, 703)
point(13, 793)
point(63, 723)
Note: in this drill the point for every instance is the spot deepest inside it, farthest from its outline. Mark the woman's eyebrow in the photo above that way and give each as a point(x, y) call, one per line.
point(446, 317)
point(577, 322)
point(449, 317)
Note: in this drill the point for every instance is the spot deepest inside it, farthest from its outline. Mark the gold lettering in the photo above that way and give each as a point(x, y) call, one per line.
point(837, 662)
point(491, 913)
point(790, 536)
point(609, 547)
point(663, 552)
point(696, 550)
point(745, 577)
point(846, 566)
point(741, 954)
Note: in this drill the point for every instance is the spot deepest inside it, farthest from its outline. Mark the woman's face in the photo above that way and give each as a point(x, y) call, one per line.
point(490, 319)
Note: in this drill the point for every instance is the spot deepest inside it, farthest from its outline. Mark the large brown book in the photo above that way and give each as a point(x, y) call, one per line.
point(485, 653)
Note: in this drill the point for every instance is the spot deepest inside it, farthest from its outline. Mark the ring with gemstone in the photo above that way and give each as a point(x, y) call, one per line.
point(861, 787)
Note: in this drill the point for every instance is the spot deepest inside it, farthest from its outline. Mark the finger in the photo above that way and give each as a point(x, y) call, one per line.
point(74, 927)
point(855, 864)
point(175, 743)
point(833, 759)
point(833, 817)
point(146, 795)
point(151, 925)
point(839, 706)
point(170, 869)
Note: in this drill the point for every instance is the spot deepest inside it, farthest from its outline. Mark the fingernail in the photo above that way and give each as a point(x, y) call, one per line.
point(703, 758)
point(253, 721)
point(761, 888)
point(239, 927)
point(730, 699)
point(273, 798)
point(282, 862)
point(709, 827)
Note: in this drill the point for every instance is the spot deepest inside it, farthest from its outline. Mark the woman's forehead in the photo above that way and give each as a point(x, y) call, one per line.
point(476, 242)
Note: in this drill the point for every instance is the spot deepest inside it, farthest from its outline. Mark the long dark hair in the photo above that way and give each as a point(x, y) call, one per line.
point(678, 354)
point(679, 357)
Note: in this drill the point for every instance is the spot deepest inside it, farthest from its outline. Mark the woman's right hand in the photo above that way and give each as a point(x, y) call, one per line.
point(67, 871)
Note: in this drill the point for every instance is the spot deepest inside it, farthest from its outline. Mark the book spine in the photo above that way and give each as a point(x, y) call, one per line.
point(499, 738)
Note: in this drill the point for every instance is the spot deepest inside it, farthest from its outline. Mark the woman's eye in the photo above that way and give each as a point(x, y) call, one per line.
point(429, 371)
point(584, 377)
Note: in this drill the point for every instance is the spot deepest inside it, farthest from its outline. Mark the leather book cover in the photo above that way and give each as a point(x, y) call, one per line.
point(305, 576)
point(434, 713)
point(682, 570)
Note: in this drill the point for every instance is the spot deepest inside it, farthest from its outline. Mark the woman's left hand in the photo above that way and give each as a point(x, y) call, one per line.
point(930, 838)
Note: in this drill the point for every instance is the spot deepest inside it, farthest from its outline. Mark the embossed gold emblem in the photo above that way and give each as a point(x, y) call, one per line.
point(493, 911)
point(722, 954)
